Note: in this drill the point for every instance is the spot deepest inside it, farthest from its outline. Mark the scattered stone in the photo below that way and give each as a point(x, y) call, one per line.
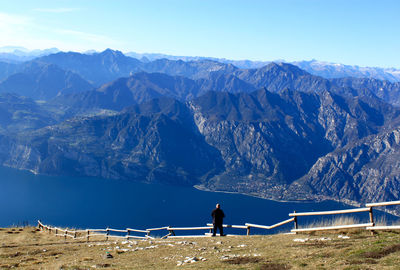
point(311, 239)
point(324, 239)
point(300, 240)
point(190, 260)
point(108, 255)
point(343, 236)
point(151, 247)
point(242, 245)
point(102, 265)
point(227, 257)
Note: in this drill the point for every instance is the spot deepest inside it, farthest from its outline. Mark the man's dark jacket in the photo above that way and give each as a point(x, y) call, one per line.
point(217, 215)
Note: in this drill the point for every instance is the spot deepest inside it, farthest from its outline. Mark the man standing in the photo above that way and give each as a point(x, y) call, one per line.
point(218, 216)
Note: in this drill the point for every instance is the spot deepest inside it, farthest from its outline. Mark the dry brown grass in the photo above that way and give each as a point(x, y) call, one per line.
point(28, 248)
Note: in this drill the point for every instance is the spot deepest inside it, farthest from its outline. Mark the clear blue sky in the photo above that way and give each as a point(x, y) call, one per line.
point(358, 32)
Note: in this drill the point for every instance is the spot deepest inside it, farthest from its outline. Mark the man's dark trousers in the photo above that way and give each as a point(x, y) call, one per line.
point(220, 228)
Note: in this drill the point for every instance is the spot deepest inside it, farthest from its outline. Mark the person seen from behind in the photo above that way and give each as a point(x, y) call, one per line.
point(218, 216)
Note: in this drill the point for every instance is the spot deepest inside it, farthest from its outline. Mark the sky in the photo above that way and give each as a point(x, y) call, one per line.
point(354, 32)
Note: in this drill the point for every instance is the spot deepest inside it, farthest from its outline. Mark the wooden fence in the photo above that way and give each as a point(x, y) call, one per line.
point(107, 233)
point(171, 231)
point(368, 226)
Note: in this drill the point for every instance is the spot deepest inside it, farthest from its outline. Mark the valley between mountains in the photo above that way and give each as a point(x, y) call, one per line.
point(276, 132)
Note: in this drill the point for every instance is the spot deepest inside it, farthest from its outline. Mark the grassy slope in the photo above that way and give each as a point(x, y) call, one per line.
point(32, 249)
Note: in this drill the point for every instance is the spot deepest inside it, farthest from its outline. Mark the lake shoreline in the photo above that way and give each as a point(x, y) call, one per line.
point(202, 188)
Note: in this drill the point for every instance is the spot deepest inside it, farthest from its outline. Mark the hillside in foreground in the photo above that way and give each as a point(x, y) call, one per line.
point(29, 248)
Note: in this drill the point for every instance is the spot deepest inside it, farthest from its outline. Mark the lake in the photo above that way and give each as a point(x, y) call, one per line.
point(100, 203)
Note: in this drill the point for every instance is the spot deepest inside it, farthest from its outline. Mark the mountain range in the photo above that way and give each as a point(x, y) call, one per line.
point(315, 67)
point(276, 131)
point(319, 68)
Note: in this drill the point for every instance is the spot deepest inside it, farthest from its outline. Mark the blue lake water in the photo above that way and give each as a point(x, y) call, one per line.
point(100, 203)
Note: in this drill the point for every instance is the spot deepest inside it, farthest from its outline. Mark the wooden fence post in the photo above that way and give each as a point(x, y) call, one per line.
point(87, 236)
point(296, 226)
point(248, 230)
point(371, 218)
point(107, 233)
point(128, 233)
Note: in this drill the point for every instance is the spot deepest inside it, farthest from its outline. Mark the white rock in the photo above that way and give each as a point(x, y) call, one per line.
point(300, 240)
point(324, 239)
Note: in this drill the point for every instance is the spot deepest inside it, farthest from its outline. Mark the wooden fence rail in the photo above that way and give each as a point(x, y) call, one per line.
point(382, 204)
point(90, 233)
point(272, 226)
point(334, 212)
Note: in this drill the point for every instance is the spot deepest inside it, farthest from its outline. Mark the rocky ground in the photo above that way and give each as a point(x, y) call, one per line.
point(29, 248)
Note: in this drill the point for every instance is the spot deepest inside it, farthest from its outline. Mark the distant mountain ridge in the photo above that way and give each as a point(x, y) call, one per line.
point(19, 54)
point(107, 66)
point(43, 81)
point(275, 76)
point(334, 70)
point(315, 67)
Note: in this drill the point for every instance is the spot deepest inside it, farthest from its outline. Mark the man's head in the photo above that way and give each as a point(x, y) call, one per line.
point(218, 206)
